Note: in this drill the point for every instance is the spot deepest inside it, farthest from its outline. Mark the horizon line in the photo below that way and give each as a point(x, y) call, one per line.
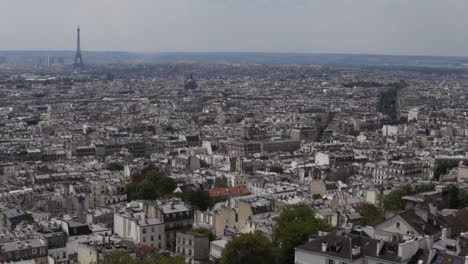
point(239, 52)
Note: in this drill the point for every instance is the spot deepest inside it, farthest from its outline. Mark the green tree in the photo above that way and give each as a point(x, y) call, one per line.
point(443, 168)
point(164, 184)
point(205, 231)
point(249, 249)
point(124, 258)
point(147, 190)
point(277, 168)
point(394, 200)
point(204, 164)
point(152, 185)
point(423, 188)
point(293, 226)
point(372, 215)
point(131, 189)
point(116, 166)
point(199, 199)
point(455, 199)
point(118, 258)
point(388, 99)
point(168, 260)
point(221, 183)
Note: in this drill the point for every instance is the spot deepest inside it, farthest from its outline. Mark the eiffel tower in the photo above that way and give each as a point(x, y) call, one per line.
point(78, 58)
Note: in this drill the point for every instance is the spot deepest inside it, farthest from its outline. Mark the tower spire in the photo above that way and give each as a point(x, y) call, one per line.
point(78, 58)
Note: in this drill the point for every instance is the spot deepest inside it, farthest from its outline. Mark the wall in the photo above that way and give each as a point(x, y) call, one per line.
point(155, 231)
point(86, 255)
point(322, 159)
point(462, 172)
point(317, 187)
point(388, 131)
point(391, 226)
point(224, 217)
point(372, 196)
point(202, 248)
point(304, 257)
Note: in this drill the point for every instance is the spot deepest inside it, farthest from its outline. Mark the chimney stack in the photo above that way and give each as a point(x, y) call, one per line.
point(324, 247)
point(380, 244)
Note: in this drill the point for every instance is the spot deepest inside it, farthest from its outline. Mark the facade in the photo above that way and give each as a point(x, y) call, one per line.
point(463, 171)
point(216, 250)
point(102, 215)
point(385, 170)
point(175, 215)
point(150, 232)
point(195, 247)
point(141, 231)
point(31, 249)
point(246, 148)
point(280, 145)
point(57, 246)
point(334, 159)
point(241, 209)
point(85, 151)
point(87, 254)
point(242, 148)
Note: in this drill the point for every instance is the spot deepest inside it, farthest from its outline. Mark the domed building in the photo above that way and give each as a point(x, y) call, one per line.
point(190, 83)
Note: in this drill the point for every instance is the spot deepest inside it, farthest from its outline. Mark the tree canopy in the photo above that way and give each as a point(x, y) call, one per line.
point(205, 231)
point(372, 215)
point(277, 168)
point(199, 199)
point(221, 183)
point(443, 168)
point(249, 249)
point(292, 228)
point(388, 99)
point(154, 185)
point(116, 166)
point(393, 201)
point(455, 199)
point(124, 258)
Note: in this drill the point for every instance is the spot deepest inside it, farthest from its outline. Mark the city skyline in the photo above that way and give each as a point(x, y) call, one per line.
point(357, 27)
point(233, 131)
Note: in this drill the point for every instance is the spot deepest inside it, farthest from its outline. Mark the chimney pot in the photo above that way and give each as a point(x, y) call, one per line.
point(324, 247)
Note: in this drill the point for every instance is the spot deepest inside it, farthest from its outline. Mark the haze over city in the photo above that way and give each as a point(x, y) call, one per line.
point(233, 132)
point(417, 27)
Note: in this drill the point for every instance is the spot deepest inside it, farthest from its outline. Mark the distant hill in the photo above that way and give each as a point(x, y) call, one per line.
point(247, 57)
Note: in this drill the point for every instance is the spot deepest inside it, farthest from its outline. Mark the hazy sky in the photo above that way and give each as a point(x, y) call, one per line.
point(430, 27)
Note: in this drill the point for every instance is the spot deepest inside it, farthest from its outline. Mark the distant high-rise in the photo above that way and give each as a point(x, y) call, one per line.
point(78, 58)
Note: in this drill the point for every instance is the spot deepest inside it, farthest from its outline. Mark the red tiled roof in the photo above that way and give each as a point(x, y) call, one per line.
point(232, 191)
